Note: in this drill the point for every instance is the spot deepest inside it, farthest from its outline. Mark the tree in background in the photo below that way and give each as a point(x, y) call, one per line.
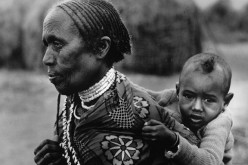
point(224, 23)
point(32, 29)
point(164, 32)
point(244, 19)
point(11, 34)
point(221, 13)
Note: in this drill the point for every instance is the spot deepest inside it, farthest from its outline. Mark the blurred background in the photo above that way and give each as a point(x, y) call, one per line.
point(165, 33)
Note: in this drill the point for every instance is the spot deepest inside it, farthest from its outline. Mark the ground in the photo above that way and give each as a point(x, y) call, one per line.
point(28, 107)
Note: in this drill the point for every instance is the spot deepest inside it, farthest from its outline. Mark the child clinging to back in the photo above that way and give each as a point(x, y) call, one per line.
point(202, 98)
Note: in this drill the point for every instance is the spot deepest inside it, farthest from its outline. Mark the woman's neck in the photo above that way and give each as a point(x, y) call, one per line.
point(98, 88)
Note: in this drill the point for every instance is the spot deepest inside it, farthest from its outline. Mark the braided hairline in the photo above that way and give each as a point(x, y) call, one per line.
point(87, 18)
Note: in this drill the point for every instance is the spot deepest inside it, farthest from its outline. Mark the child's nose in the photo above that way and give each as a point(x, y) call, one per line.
point(197, 105)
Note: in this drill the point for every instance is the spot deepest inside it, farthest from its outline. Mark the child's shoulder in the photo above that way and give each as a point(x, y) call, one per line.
point(222, 123)
point(224, 119)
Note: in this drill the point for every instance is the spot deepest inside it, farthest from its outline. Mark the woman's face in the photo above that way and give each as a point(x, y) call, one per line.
point(71, 68)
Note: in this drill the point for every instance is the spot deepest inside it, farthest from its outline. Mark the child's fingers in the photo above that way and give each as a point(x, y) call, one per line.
point(147, 129)
point(151, 126)
point(146, 134)
point(152, 122)
point(149, 136)
point(151, 129)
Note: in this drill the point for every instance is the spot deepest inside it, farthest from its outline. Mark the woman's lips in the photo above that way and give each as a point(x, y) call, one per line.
point(52, 76)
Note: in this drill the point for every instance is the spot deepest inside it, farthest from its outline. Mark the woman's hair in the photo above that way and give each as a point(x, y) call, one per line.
point(207, 63)
point(95, 19)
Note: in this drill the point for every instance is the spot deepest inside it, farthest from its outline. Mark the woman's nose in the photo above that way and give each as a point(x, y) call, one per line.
point(49, 58)
point(197, 105)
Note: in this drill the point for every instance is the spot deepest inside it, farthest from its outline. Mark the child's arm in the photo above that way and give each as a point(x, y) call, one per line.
point(212, 146)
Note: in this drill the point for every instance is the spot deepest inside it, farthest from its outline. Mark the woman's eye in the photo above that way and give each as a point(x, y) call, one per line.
point(57, 45)
point(45, 44)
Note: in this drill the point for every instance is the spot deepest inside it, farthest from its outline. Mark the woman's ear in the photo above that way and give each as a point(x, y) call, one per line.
point(228, 98)
point(103, 47)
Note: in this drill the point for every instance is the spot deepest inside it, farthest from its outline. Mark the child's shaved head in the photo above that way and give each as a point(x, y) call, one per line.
point(206, 63)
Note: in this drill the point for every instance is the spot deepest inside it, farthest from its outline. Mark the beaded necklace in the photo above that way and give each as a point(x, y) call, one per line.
point(99, 88)
point(96, 90)
point(88, 95)
point(66, 139)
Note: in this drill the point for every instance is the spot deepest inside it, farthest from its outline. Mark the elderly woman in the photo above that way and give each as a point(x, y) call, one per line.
point(103, 116)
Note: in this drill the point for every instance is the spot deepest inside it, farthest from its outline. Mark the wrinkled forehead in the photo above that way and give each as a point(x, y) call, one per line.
point(57, 19)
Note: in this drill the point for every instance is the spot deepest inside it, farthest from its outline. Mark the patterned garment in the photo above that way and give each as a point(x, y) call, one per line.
point(110, 132)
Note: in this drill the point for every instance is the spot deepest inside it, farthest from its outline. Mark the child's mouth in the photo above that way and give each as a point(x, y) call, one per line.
point(196, 118)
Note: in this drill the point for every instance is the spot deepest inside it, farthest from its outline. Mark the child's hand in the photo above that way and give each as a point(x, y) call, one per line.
point(156, 131)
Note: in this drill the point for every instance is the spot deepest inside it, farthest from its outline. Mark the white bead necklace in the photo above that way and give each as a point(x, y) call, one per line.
point(66, 142)
point(97, 89)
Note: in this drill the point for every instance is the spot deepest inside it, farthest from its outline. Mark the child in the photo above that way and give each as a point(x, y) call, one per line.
point(202, 98)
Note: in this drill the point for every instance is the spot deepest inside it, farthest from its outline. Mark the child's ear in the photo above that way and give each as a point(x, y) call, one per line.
point(177, 88)
point(228, 98)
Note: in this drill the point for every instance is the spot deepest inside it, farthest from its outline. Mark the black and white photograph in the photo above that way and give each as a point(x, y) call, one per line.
point(123, 82)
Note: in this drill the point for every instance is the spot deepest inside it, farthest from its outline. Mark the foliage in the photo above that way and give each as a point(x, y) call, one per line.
point(19, 33)
point(164, 34)
point(33, 48)
point(226, 24)
point(243, 25)
point(221, 12)
point(11, 34)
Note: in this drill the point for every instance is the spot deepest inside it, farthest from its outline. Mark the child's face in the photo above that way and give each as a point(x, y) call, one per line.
point(201, 98)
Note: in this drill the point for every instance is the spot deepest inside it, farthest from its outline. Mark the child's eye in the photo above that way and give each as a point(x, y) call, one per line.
point(208, 100)
point(188, 96)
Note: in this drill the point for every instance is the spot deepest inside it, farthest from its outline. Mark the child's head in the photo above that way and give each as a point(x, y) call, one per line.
point(203, 89)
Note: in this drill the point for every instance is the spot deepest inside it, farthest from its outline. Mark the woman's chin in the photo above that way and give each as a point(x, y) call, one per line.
point(63, 90)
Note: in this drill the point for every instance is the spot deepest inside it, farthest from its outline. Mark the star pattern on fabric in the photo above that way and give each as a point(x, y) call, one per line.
point(123, 114)
point(121, 150)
